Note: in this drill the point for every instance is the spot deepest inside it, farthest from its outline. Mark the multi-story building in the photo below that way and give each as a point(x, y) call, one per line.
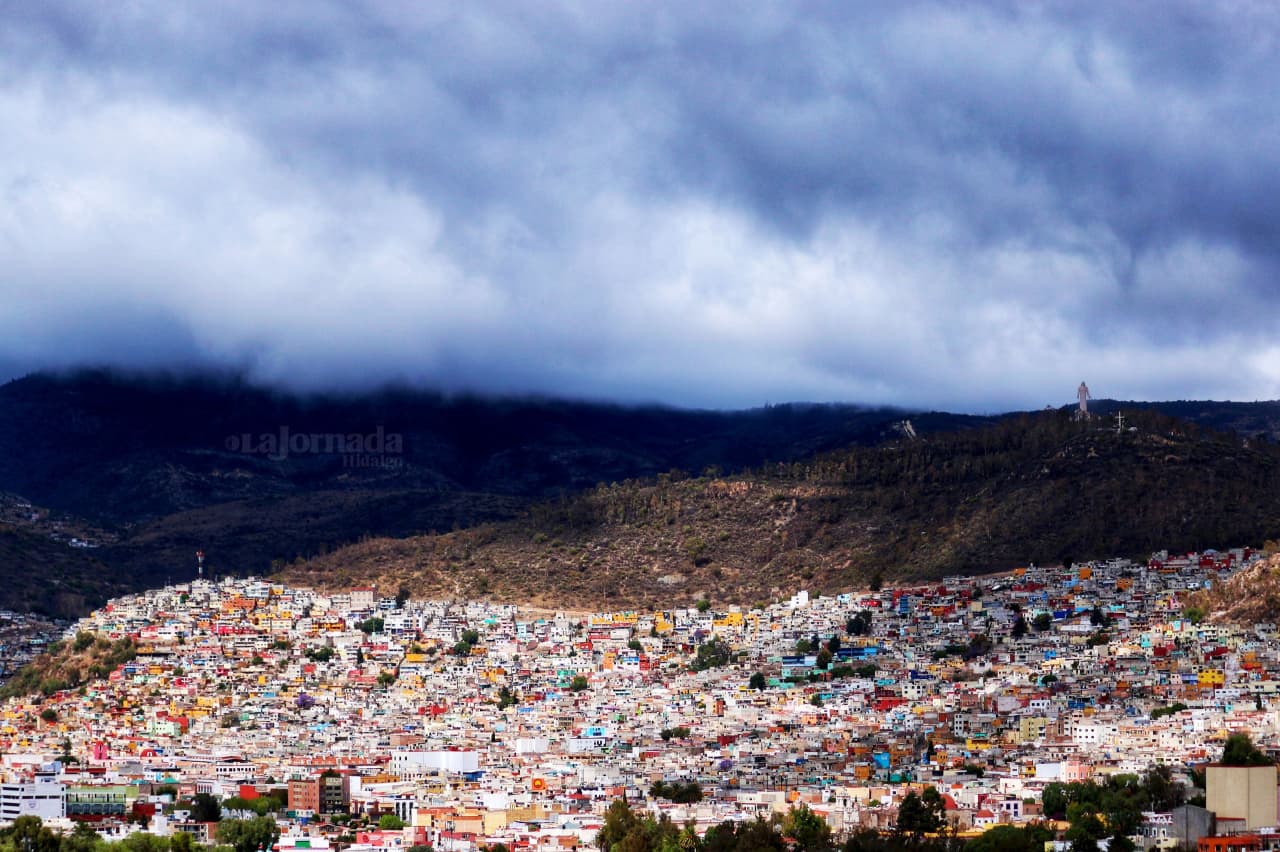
point(41, 796)
point(327, 793)
point(97, 800)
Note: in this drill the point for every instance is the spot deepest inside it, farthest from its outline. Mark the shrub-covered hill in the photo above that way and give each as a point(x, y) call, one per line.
point(1032, 488)
point(45, 575)
point(69, 663)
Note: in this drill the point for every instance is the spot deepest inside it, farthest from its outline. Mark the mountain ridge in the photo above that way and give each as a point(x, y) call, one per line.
point(153, 468)
point(1037, 488)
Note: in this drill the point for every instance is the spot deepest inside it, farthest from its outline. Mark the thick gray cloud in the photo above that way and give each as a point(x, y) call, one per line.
point(709, 204)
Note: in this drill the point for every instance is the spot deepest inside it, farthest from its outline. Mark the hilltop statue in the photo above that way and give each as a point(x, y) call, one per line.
point(1082, 394)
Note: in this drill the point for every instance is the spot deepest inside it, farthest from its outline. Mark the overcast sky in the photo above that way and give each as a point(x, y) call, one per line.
point(710, 204)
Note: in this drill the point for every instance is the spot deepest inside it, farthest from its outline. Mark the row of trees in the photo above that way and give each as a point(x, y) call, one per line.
point(1099, 813)
point(1113, 808)
point(30, 834)
point(682, 793)
point(921, 827)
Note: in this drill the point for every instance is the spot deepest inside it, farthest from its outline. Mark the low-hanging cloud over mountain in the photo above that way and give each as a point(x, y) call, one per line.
point(972, 206)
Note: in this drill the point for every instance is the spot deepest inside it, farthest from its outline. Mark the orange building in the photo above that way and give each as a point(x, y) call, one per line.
point(1230, 843)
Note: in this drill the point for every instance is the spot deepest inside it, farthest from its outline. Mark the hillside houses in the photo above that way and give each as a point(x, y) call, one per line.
point(472, 721)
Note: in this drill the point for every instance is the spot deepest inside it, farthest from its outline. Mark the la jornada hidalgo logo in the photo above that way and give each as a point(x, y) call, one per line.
point(378, 448)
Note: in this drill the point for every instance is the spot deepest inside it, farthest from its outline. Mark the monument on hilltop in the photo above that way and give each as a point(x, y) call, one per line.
point(1082, 394)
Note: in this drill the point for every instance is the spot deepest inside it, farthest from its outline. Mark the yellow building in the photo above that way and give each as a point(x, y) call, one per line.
point(1031, 728)
point(1211, 677)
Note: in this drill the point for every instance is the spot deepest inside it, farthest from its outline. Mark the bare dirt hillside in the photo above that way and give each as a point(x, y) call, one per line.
point(1249, 597)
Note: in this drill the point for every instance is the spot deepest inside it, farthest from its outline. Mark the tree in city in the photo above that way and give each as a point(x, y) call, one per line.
point(249, 835)
point(1239, 750)
point(624, 831)
point(807, 831)
point(1042, 622)
point(682, 793)
point(141, 841)
point(30, 834)
point(980, 645)
point(712, 654)
point(920, 815)
point(205, 808)
point(1010, 838)
point(754, 836)
point(858, 624)
point(83, 838)
point(579, 683)
point(620, 823)
point(390, 822)
point(867, 839)
point(1085, 832)
point(1161, 792)
point(1097, 811)
point(757, 681)
point(1001, 838)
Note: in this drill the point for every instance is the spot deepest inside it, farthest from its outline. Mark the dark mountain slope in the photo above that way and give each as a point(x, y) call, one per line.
point(128, 449)
point(159, 467)
point(1033, 488)
point(1246, 419)
point(43, 575)
point(154, 468)
point(263, 534)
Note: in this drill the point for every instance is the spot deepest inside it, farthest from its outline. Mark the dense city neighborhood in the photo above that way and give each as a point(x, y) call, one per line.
point(464, 725)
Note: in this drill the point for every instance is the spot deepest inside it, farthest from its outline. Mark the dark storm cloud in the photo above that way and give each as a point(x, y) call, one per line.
point(699, 203)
